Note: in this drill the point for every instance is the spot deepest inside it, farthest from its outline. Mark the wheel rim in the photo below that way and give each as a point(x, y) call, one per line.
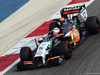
point(61, 59)
point(97, 25)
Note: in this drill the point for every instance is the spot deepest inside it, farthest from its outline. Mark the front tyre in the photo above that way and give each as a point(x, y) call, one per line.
point(65, 50)
point(26, 54)
point(93, 25)
point(20, 66)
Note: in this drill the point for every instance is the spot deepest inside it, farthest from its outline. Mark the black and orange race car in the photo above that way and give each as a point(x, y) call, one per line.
point(64, 35)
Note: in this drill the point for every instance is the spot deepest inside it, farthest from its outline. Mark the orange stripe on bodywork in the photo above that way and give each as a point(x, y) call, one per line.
point(70, 12)
point(28, 62)
point(53, 58)
point(67, 12)
point(41, 37)
point(62, 19)
point(76, 36)
point(58, 34)
point(75, 11)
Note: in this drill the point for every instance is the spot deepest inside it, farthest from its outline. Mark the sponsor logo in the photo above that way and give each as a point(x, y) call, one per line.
point(39, 53)
point(43, 44)
point(72, 8)
point(76, 35)
point(84, 14)
point(40, 48)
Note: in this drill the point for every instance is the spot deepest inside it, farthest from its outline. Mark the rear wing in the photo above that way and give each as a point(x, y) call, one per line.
point(69, 12)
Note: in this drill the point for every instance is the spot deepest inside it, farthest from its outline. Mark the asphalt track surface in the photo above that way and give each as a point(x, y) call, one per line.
point(85, 60)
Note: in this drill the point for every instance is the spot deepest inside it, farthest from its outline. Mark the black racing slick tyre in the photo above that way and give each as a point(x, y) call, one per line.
point(20, 66)
point(52, 26)
point(65, 50)
point(93, 25)
point(26, 54)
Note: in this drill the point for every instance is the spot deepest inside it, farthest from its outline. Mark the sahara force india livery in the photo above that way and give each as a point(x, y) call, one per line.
point(52, 50)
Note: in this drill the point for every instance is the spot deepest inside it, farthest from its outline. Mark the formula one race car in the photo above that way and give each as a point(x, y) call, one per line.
point(64, 35)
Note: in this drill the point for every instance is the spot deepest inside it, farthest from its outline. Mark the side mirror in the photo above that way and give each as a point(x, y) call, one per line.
point(40, 39)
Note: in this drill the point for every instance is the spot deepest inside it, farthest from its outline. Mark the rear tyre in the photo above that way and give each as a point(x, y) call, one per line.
point(65, 50)
point(26, 54)
point(93, 25)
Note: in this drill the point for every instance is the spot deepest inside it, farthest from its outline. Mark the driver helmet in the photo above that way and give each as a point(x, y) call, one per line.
point(56, 31)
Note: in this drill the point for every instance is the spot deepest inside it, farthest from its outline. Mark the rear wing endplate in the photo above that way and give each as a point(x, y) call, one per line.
point(73, 11)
